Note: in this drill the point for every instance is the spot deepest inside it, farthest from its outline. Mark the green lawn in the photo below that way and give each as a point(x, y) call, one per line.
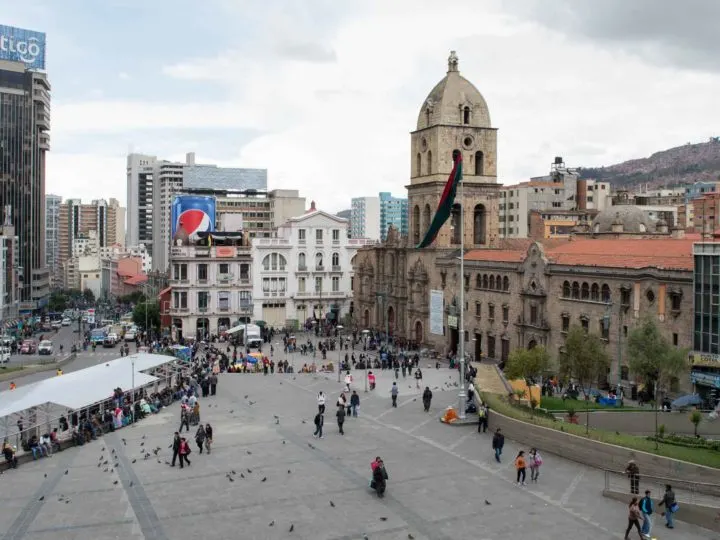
point(708, 458)
point(555, 404)
point(6, 369)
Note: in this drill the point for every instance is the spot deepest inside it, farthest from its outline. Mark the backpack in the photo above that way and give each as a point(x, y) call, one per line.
point(538, 459)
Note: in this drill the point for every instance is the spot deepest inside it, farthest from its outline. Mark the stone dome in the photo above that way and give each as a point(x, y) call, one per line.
point(632, 219)
point(454, 101)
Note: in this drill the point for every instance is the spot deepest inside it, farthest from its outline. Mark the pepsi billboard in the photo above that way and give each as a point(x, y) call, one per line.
point(20, 45)
point(193, 214)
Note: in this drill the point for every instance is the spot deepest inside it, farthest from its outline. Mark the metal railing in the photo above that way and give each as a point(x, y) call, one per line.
point(702, 494)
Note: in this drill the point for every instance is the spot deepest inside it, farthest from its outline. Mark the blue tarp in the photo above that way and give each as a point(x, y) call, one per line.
point(686, 401)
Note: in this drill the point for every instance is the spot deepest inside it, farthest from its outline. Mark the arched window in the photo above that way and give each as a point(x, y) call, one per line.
point(479, 224)
point(485, 281)
point(576, 290)
point(455, 214)
point(274, 262)
point(498, 283)
point(416, 224)
point(492, 282)
point(478, 281)
point(595, 293)
point(585, 292)
point(429, 162)
point(479, 163)
point(466, 115)
point(418, 165)
point(319, 261)
point(566, 289)
point(506, 284)
point(428, 114)
point(336, 260)
point(301, 260)
point(605, 293)
point(426, 217)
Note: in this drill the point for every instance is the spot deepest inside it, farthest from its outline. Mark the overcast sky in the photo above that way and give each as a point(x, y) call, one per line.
point(323, 93)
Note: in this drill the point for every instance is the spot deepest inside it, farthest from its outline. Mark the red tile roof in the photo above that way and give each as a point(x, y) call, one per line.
point(662, 253)
point(136, 280)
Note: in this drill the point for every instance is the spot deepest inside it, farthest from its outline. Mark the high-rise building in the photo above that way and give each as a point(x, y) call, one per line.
point(52, 238)
point(168, 182)
point(365, 218)
point(76, 221)
point(393, 212)
point(9, 277)
point(116, 227)
point(24, 141)
point(140, 183)
point(705, 374)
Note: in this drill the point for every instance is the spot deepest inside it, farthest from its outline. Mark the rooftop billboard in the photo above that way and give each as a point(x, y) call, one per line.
point(20, 45)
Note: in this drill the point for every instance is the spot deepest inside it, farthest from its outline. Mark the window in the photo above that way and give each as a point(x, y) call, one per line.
point(585, 323)
point(533, 315)
point(491, 312)
point(605, 328)
point(318, 261)
point(565, 322)
point(595, 292)
point(336, 261)
point(576, 290)
point(506, 284)
point(492, 282)
point(301, 235)
point(245, 271)
point(245, 300)
point(274, 262)
point(605, 292)
point(203, 301)
point(675, 302)
point(675, 340)
point(585, 292)
point(179, 272)
point(180, 299)
point(202, 270)
point(566, 289)
point(650, 295)
point(301, 261)
point(301, 284)
point(335, 235)
point(478, 281)
point(335, 284)
point(224, 301)
point(624, 373)
point(478, 309)
point(506, 314)
point(491, 346)
point(625, 297)
point(318, 284)
point(318, 236)
point(466, 115)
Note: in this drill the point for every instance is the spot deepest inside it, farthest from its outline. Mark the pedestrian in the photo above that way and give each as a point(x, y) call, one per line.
point(321, 402)
point(208, 437)
point(418, 378)
point(394, 391)
point(184, 417)
point(379, 477)
point(520, 466)
point(348, 381)
point(340, 419)
point(427, 398)
point(200, 436)
point(671, 506)
point(213, 384)
point(371, 380)
point(535, 460)
point(319, 421)
point(354, 403)
point(646, 508)
point(633, 472)
point(184, 451)
point(482, 418)
point(633, 518)
point(497, 443)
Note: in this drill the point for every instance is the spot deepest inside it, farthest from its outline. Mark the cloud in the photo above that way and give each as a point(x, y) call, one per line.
point(124, 76)
point(666, 32)
point(305, 51)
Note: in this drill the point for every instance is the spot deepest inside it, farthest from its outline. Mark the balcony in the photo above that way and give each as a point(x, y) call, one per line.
point(224, 278)
point(276, 242)
point(358, 242)
point(221, 252)
point(179, 310)
point(275, 294)
point(302, 241)
point(336, 268)
point(302, 268)
point(319, 268)
point(318, 241)
point(203, 309)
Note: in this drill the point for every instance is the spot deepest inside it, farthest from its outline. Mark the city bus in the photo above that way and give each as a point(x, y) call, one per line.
point(98, 335)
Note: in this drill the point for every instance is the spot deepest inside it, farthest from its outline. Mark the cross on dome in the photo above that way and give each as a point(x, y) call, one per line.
point(453, 62)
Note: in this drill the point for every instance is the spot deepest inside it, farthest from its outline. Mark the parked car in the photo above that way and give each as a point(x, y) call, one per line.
point(4, 355)
point(66, 322)
point(130, 335)
point(56, 324)
point(109, 341)
point(45, 347)
point(28, 347)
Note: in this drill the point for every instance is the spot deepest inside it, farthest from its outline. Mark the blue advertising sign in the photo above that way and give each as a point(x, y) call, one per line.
point(193, 214)
point(20, 45)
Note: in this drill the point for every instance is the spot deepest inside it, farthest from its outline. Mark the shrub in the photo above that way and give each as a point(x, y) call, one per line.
point(661, 431)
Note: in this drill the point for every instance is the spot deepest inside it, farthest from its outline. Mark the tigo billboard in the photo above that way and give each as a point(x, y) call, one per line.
point(20, 45)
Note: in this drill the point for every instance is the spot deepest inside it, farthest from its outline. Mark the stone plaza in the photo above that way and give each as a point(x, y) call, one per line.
point(443, 480)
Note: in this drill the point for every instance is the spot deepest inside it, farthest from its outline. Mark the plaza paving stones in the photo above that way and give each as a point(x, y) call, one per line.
point(440, 476)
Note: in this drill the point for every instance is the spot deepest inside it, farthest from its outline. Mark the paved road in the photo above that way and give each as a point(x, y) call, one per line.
point(65, 336)
point(440, 477)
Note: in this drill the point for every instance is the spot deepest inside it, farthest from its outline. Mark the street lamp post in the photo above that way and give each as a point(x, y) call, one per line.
point(461, 331)
point(339, 328)
point(132, 363)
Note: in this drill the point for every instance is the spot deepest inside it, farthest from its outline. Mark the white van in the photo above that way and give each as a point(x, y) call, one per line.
point(4, 355)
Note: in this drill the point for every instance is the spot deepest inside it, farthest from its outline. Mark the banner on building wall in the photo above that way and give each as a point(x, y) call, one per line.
point(436, 312)
point(705, 359)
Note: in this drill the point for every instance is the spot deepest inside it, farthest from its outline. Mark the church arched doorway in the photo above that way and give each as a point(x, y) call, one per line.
point(418, 333)
point(391, 320)
point(479, 224)
point(532, 344)
point(416, 224)
point(455, 214)
point(366, 319)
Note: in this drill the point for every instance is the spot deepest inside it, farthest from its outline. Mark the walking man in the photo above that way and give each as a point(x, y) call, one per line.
point(340, 419)
point(394, 391)
point(646, 507)
point(175, 447)
point(482, 418)
point(319, 421)
point(497, 443)
point(354, 403)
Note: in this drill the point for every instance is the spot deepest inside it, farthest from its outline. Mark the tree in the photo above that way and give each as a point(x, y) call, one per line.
point(153, 315)
point(652, 358)
point(584, 359)
point(527, 364)
point(88, 296)
point(57, 302)
point(696, 418)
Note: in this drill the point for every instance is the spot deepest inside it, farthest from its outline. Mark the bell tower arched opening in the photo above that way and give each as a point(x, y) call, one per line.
point(455, 214)
point(479, 224)
point(416, 224)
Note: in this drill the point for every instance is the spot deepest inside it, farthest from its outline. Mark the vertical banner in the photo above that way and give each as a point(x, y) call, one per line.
point(436, 312)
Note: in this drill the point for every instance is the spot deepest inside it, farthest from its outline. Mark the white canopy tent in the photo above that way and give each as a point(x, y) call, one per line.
point(85, 387)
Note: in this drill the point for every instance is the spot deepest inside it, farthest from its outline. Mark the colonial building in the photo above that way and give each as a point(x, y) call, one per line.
point(211, 284)
point(305, 271)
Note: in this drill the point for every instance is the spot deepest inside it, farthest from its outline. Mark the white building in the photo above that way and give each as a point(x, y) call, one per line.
point(211, 285)
point(365, 218)
point(118, 251)
point(52, 239)
point(9, 276)
point(89, 270)
point(306, 271)
point(140, 181)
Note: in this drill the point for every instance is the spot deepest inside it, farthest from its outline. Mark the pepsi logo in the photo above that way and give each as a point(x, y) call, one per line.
point(194, 221)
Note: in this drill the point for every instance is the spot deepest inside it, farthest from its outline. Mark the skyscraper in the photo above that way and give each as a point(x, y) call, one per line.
point(365, 218)
point(393, 212)
point(76, 220)
point(24, 141)
point(52, 239)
